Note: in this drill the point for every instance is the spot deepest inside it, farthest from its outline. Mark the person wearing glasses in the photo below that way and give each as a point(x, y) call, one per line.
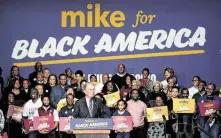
point(195, 88)
point(211, 123)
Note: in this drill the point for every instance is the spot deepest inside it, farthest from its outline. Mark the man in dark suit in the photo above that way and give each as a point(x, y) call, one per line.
point(89, 106)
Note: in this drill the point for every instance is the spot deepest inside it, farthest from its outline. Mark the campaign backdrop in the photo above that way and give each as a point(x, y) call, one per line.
point(95, 36)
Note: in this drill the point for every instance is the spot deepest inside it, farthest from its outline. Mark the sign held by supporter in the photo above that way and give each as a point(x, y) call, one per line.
point(64, 124)
point(43, 122)
point(184, 105)
point(15, 112)
point(28, 125)
point(122, 122)
point(155, 114)
point(208, 108)
point(111, 99)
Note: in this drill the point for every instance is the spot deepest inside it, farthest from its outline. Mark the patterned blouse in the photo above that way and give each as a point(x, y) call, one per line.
point(2, 121)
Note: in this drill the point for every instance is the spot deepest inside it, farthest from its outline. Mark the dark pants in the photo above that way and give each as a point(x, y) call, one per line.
point(32, 134)
point(123, 135)
point(65, 135)
point(138, 132)
point(213, 131)
point(46, 136)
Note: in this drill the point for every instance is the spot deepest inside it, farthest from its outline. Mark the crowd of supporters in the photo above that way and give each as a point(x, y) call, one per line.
point(41, 93)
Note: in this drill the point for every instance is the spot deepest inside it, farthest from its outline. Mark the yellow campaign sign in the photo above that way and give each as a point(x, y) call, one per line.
point(112, 98)
point(183, 105)
point(62, 103)
point(220, 93)
point(155, 114)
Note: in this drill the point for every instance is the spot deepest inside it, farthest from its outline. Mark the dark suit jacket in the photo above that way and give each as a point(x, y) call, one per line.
point(81, 109)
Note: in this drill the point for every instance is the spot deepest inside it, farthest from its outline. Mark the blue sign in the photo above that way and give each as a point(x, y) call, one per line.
point(92, 124)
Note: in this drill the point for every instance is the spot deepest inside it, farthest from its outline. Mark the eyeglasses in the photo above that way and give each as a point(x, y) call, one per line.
point(209, 89)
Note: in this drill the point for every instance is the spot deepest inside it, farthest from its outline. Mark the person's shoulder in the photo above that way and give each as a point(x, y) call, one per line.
point(55, 87)
point(33, 73)
point(127, 74)
point(115, 113)
point(202, 98)
point(142, 103)
point(129, 102)
point(97, 100)
point(27, 103)
point(39, 102)
point(217, 97)
point(115, 75)
point(63, 109)
point(191, 88)
point(127, 113)
point(80, 100)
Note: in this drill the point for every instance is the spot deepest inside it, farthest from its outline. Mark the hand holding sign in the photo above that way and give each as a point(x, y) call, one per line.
point(155, 114)
point(184, 105)
point(15, 112)
point(111, 99)
point(208, 108)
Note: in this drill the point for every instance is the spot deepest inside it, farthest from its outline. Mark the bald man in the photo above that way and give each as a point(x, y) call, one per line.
point(89, 106)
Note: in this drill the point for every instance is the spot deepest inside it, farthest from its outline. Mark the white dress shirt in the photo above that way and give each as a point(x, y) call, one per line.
point(164, 83)
point(88, 103)
point(192, 91)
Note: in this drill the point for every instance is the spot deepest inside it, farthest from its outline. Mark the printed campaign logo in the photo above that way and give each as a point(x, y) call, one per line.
point(92, 124)
point(136, 43)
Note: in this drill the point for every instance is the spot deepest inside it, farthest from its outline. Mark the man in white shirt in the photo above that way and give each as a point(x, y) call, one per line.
point(29, 109)
point(193, 90)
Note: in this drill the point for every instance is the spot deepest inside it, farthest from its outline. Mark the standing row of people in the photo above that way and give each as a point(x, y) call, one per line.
point(70, 95)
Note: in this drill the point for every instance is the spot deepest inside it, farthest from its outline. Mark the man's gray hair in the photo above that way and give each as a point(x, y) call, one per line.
point(85, 86)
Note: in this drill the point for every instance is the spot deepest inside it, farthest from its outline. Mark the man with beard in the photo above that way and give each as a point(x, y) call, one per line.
point(33, 75)
point(120, 77)
point(137, 109)
point(47, 110)
point(68, 111)
point(202, 92)
point(29, 109)
point(211, 123)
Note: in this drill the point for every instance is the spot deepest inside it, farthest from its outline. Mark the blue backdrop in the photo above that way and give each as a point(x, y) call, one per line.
point(184, 35)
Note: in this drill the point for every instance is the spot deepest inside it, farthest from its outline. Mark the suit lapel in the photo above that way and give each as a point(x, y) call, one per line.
point(86, 108)
point(94, 108)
